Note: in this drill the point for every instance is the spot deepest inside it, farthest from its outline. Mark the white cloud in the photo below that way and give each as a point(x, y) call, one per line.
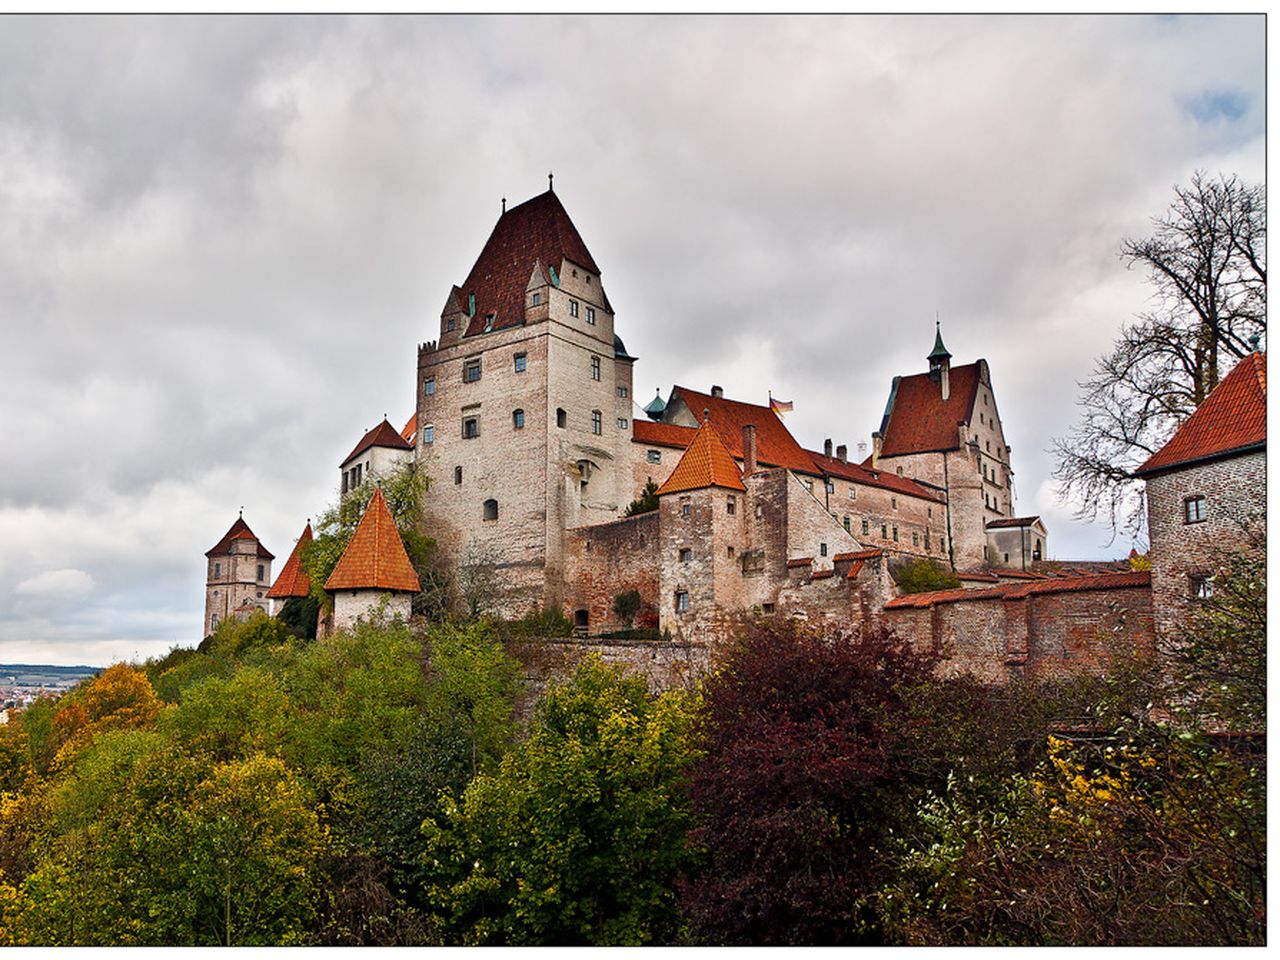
point(65, 584)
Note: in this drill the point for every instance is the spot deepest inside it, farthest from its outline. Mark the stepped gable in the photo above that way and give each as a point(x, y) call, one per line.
point(1232, 419)
point(375, 559)
point(383, 435)
point(293, 580)
point(857, 473)
point(705, 463)
point(538, 233)
point(239, 531)
point(1020, 591)
point(775, 446)
point(661, 434)
point(920, 421)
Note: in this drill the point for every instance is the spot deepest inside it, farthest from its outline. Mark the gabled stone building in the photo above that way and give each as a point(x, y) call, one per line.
point(237, 576)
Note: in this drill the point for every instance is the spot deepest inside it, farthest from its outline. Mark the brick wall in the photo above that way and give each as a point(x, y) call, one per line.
point(237, 581)
point(1235, 502)
point(607, 559)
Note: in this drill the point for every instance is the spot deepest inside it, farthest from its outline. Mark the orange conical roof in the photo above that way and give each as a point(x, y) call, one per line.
point(706, 463)
point(293, 580)
point(375, 559)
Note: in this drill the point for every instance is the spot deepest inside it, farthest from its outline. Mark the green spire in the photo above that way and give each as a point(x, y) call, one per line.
point(939, 351)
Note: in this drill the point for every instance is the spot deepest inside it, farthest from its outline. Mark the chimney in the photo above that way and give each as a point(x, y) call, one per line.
point(862, 450)
point(842, 453)
point(826, 447)
point(748, 450)
point(877, 443)
point(717, 391)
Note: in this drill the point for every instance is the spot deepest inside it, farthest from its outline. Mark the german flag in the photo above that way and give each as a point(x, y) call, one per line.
point(779, 407)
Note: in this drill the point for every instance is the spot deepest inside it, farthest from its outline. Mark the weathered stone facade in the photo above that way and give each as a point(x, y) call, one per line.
point(352, 605)
point(237, 578)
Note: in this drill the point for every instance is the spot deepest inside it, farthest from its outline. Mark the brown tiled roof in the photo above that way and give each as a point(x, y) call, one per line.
point(854, 570)
point(982, 575)
point(293, 580)
point(823, 574)
point(1232, 418)
point(921, 421)
point(800, 562)
point(410, 428)
point(705, 463)
point(375, 559)
point(537, 231)
point(859, 555)
point(1012, 522)
point(661, 434)
point(857, 473)
point(1020, 575)
point(1019, 591)
point(239, 531)
point(383, 435)
point(775, 447)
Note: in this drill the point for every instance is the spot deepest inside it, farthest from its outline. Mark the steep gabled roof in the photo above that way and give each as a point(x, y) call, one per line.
point(383, 435)
point(885, 479)
point(920, 421)
point(705, 463)
point(239, 531)
point(661, 434)
point(775, 446)
point(537, 231)
point(410, 428)
point(1232, 418)
point(293, 580)
point(375, 559)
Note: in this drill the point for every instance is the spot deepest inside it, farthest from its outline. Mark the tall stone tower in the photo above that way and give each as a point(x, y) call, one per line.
point(524, 408)
point(943, 427)
point(238, 577)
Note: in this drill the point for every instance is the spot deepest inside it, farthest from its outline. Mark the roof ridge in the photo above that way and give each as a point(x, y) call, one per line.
point(375, 557)
point(706, 462)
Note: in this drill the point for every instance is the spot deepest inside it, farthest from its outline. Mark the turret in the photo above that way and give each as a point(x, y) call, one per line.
point(940, 362)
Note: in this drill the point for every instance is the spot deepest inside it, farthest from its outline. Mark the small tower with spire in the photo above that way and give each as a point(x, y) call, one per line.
point(238, 576)
point(940, 362)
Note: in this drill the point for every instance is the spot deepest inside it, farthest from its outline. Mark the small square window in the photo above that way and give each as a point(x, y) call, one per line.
point(684, 509)
point(654, 456)
point(731, 553)
point(261, 571)
point(521, 362)
point(471, 428)
point(217, 570)
point(686, 554)
point(536, 299)
point(767, 607)
point(866, 527)
point(428, 386)
point(731, 505)
point(573, 308)
point(822, 549)
point(853, 492)
point(1193, 509)
point(517, 419)
point(562, 418)
point(448, 324)
point(471, 371)
point(682, 601)
point(831, 487)
point(622, 423)
point(591, 315)
point(893, 502)
point(1201, 586)
point(623, 392)
point(429, 434)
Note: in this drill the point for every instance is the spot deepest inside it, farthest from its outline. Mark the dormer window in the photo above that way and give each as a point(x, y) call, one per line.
point(536, 299)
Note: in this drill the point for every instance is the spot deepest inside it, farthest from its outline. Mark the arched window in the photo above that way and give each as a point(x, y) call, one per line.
point(457, 474)
point(562, 418)
point(517, 419)
point(491, 509)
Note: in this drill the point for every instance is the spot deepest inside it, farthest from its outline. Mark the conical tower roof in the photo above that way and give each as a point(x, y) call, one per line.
point(706, 463)
point(239, 531)
point(375, 559)
point(293, 580)
point(939, 351)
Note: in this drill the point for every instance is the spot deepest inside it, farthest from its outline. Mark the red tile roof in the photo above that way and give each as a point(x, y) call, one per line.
point(661, 434)
point(1232, 418)
point(239, 531)
point(775, 447)
point(375, 559)
point(383, 435)
point(705, 463)
point(920, 420)
point(1020, 591)
point(982, 575)
point(537, 231)
point(859, 555)
point(854, 570)
point(410, 428)
point(800, 562)
point(884, 479)
point(823, 574)
point(293, 580)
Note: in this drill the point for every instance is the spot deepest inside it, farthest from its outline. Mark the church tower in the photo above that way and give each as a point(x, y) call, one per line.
point(524, 408)
point(238, 576)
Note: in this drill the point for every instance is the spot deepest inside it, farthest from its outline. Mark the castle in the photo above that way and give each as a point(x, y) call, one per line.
point(527, 423)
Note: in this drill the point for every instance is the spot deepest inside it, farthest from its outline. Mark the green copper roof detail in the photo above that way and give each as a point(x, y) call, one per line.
point(939, 351)
point(657, 404)
point(555, 278)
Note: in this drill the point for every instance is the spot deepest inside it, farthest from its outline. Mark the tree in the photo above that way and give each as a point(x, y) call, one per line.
point(626, 606)
point(580, 834)
point(800, 784)
point(1207, 261)
point(647, 501)
point(921, 575)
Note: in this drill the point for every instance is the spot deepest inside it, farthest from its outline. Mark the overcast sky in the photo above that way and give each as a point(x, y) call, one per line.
point(222, 238)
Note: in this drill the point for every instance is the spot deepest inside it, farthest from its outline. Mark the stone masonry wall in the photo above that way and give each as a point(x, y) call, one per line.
point(607, 559)
point(1235, 504)
point(236, 582)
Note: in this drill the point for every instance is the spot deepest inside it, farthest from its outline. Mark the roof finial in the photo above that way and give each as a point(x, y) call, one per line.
point(241, 512)
point(550, 177)
point(706, 414)
point(504, 204)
